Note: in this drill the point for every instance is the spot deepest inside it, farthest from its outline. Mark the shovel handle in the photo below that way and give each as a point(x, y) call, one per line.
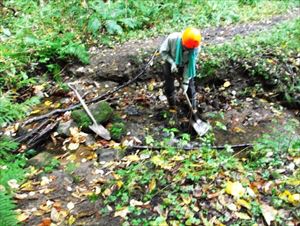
point(83, 104)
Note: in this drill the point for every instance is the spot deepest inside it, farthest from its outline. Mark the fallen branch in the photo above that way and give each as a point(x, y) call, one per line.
point(101, 97)
point(218, 147)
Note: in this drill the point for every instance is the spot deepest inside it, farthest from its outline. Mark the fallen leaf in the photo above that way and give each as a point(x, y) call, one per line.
point(242, 216)
point(232, 207)
point(71, 220)
point(186, 199)
point(70, 205)
point(235, 189)
point(35, 112)
point(122, 213)
point(152, 184)
point(47, 103)
point(268, 212)
point(134, 202)
point(244, 203)
point(54, 215)
point(22, 217)
point(294, 199)
point(132, 158)
point(73, 146)
point(45, 222)
point(13, 184)
point(226, 84)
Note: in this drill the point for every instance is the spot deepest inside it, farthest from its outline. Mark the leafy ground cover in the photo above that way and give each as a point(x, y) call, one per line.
point(207, 186)
point(270, 59)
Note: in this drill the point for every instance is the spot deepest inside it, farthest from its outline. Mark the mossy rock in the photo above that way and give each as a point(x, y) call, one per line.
point(101, 111)
point(117, 130)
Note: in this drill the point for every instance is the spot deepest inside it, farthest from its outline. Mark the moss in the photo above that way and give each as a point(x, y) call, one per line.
point(81, 118)
point(101, 111)
point(117, 130)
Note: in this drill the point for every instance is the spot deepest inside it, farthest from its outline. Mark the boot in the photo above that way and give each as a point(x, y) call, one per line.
point(172, 102)
point(194, 104)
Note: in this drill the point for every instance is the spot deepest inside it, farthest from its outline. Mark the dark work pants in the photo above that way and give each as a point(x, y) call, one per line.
point(170, 88)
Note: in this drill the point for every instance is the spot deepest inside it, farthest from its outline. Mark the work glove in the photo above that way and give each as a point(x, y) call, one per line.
point(174, 68)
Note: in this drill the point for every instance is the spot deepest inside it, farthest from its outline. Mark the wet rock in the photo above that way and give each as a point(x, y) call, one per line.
point(40, 160)
point(108, 154)
point(90, 140)
point(84, 209)
point(132, 111)
point(64, 127)
point(101, 111)
point(61, 182)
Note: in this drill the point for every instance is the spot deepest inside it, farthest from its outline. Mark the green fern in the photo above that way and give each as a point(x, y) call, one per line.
point(10, 111)
point(7, 214)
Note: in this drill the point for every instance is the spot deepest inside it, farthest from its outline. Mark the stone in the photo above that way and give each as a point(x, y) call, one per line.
point(90, 140)
point(107, 155)
point(101, 111)
point(41, 159)
point(64, 127)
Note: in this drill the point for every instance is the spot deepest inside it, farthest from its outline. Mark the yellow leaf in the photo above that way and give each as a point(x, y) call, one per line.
point(35, 111)
point(294, 199)
point(186, 199)
point(71, 220)
point(22, 217)
point(132, 158)
point(119, 183)
point(284, 195)
point(242, 216)
point(244, 203)
point(47, 103)
point(235, 189)
point(226, 84)
point(152, 184)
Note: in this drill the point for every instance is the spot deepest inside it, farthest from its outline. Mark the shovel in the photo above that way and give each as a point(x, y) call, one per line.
point(199, 126)
point(98, 129)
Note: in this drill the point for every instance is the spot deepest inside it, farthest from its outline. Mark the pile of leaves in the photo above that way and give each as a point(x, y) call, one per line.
point(207, 186)
point(270, 58)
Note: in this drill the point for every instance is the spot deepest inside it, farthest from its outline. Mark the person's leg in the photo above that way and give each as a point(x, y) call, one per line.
point(169, 84)
point(192, 93)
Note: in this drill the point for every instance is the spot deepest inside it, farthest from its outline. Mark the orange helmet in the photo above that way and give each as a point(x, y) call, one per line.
point(191, 38)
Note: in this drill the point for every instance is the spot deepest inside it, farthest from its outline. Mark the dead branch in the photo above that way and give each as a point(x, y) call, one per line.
point(219, 147)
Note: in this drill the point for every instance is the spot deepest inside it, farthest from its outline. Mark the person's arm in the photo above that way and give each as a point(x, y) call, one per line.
point(165, 51)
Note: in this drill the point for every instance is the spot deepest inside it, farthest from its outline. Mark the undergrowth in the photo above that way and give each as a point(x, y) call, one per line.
point(268, 57)
point(181, 186)
point(11, 172)
point(10, 111)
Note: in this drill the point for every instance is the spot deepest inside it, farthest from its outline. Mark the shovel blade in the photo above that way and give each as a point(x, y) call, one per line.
point(200, 127)
point(101, 131)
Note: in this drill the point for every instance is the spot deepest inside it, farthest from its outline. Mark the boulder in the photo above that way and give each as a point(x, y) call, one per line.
point(101, 111)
